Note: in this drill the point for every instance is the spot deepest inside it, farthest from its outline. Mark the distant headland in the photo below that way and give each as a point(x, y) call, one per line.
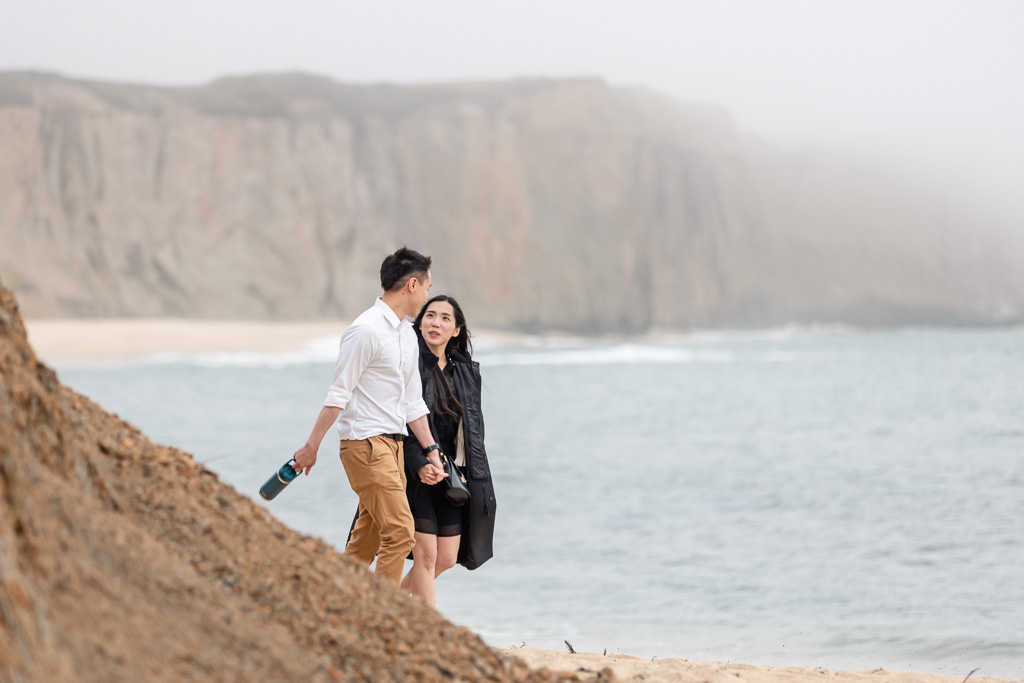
point(546, 204)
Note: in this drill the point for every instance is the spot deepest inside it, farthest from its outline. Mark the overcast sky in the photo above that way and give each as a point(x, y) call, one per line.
point(932, 83)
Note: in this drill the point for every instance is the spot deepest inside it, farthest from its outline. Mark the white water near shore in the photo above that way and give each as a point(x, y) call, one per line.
point(824, 497)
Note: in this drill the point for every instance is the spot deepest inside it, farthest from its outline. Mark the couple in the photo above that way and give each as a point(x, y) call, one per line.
point(391, 374)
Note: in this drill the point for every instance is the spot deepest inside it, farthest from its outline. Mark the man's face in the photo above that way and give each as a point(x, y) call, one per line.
point(421, 293)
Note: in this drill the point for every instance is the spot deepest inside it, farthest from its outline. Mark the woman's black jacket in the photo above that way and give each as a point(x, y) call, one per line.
point(476, 546)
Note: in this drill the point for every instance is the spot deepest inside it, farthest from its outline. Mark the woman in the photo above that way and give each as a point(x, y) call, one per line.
point(446, 534)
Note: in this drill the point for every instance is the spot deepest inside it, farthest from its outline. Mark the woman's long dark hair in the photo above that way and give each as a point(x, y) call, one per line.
point(445, 400)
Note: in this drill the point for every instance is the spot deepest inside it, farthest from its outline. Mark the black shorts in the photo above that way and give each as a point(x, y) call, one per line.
point(432, 512)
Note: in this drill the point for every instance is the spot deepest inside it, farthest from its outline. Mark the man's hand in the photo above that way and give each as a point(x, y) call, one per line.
point(305, 458)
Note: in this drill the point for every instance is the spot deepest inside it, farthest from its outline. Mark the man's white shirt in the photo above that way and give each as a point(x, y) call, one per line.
point(377, 376)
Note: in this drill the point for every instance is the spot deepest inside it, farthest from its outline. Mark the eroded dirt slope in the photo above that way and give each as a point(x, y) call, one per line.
point(123, 560)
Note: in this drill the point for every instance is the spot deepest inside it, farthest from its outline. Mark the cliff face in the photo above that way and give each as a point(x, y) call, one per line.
point(121, 560)
point(546, 204)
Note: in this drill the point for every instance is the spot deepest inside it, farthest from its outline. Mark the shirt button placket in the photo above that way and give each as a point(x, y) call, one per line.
point(401, 373)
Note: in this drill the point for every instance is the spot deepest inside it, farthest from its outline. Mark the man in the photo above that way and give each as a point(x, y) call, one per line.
point(376, 392)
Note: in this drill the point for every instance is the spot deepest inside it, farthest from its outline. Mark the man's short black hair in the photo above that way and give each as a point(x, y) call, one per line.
point(405, 263)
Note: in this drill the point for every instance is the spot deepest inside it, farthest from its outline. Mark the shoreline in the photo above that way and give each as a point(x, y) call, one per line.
point(595, 666)
point(88, 341)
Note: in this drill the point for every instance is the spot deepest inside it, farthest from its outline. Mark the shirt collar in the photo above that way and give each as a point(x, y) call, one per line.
point(389, 314)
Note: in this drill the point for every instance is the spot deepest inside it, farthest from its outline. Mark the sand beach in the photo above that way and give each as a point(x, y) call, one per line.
point(57, 340)
point(619, 667)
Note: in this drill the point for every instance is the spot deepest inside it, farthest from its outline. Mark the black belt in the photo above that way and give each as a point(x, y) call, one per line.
point(394, 437)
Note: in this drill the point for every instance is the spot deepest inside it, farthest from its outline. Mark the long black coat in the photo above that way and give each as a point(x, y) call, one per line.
point(476, 546)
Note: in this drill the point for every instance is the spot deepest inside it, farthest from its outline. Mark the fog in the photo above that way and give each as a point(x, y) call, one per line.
point(929, 86)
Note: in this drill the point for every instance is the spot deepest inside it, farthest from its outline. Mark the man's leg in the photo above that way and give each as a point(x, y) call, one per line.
point(376, 472)
point(364, 539)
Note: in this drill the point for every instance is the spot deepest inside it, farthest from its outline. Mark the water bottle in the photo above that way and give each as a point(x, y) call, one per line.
point(276, 483)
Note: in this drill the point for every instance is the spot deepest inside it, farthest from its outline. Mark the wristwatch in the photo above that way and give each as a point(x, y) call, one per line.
point(432, 447)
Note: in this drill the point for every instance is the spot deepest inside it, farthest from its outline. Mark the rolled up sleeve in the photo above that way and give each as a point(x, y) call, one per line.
point(354, 355)
point(415, 407)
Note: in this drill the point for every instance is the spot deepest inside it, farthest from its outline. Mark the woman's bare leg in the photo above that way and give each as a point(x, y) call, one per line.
point(447, 554)
point(424, 559)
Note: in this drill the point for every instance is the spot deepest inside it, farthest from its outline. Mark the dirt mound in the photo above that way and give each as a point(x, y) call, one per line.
point(122, 560)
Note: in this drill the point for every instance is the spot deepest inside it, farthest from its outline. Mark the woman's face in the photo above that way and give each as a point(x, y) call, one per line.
point(438, 326)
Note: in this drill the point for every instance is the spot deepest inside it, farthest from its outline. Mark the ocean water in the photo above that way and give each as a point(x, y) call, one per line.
point(813, 497)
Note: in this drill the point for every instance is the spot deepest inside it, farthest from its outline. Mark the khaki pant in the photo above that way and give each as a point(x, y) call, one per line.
point(376, 472)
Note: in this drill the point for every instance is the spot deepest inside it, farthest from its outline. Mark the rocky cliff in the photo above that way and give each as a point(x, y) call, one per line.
point(546, 204)
point(122, 560)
